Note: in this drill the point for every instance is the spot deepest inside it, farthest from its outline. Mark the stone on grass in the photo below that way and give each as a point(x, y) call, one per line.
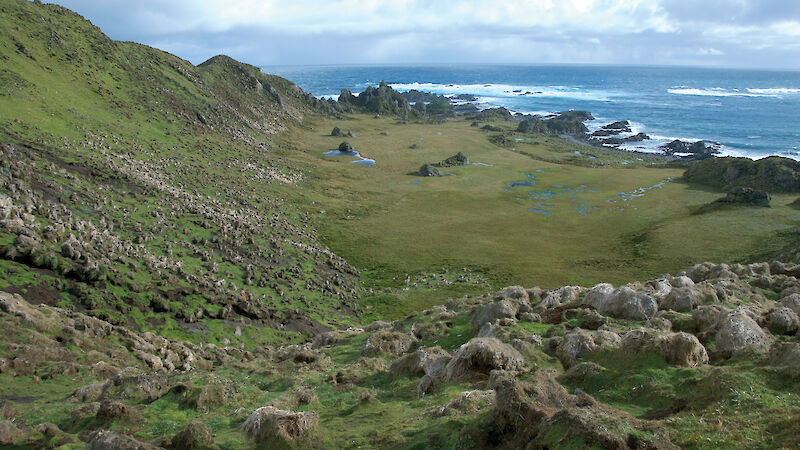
point(475, 359)
point(271, 426)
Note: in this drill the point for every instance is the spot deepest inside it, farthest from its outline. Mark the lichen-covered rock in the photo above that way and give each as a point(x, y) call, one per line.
point(9, 433)
point(135, 384)
point(622, 303)
point(504, 309)
point(428, 170)
point(469, 402)
point(581, 372)
point(377, 325)
point(709, 317)
point(423, 361)
point(475, 359)
point(196, 435)
point(543, 414)
point(792, 301)
point(739, 332)
point(112, 410)
point(677, 349)
point(711, 271)
point(783, 321)
point(785, 354)
point(271, 426)
point(578, 343)
point(562, 295)
point(112, 440)
point(680, 299)
point(333, 337)
point(388, 342)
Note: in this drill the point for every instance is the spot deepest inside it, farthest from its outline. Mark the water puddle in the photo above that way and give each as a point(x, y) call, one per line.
point(529, 181)
point(481, 164)
point(542, 200)
point(361, 160)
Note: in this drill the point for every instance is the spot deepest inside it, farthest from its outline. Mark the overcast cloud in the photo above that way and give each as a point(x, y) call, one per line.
point(722, 33)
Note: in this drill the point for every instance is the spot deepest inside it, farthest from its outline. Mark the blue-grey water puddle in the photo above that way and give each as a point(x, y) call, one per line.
point(542, 198)
point(544, 212)
point(361, 160)
point(481, 164)
point(530, 181)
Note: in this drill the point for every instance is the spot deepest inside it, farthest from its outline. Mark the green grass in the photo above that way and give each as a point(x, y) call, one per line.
point(391, 223)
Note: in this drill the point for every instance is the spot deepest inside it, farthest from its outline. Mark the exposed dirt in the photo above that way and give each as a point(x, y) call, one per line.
point(40, 294)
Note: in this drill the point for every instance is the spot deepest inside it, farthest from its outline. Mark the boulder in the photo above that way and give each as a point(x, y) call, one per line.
point(337, 132)
point(271, 426)
point(792, 301)
point(783, 321)
point(504, 309)
point(469, 402)
point(577, 344)
point(459, 159)
point(620, 126)
point(785, 354)
point(513, 293)
point(711, 272)
point(428, 170)
point(475, 359)
point(112, 440)
point(333, 337)
point(136, 385)
point(739, 333)
point(562, 295)
point(9, 433)
point(196, 435)
point(581, 373)
point(423, 361)
point(677, 349)
point(623, 303)
point(681, 299)
point(542, 414)
point(112, 410)
point(709, 317)
point(388, 342)
point(377, 325)
point(346, 147)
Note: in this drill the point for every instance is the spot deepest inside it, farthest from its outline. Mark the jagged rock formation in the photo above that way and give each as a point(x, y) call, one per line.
point(568, 122)
point(381, 100)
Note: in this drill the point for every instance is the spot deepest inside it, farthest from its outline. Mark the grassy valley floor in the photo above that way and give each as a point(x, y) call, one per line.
point(542, 211)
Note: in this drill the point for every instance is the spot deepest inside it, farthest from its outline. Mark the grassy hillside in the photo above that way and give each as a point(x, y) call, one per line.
point(182, 266)
point(164, 177)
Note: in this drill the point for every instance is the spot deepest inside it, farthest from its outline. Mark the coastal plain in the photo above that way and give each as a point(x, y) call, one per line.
point(584, 216)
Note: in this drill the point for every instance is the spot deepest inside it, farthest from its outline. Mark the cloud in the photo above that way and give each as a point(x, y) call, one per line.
point(268, 32)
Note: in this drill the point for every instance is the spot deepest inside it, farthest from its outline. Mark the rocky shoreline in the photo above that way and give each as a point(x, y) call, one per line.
point(609, 136)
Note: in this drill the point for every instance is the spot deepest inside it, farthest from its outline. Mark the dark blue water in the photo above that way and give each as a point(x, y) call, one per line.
point(752, 113)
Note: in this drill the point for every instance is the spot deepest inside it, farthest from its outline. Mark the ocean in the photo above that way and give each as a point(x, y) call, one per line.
point(750, 113)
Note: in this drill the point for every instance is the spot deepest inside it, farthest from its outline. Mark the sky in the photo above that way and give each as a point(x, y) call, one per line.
point(759, 34)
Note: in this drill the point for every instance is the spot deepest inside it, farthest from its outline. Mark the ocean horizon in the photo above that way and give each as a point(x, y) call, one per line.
point(750, 113)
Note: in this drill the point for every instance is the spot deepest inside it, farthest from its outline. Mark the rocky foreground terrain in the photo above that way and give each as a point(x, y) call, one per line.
point(693, 346)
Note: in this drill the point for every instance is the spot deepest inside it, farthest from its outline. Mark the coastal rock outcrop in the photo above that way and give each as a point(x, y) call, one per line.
point(429, 170)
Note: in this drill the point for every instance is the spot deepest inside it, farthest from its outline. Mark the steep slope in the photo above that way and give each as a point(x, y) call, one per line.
point(147, 191)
